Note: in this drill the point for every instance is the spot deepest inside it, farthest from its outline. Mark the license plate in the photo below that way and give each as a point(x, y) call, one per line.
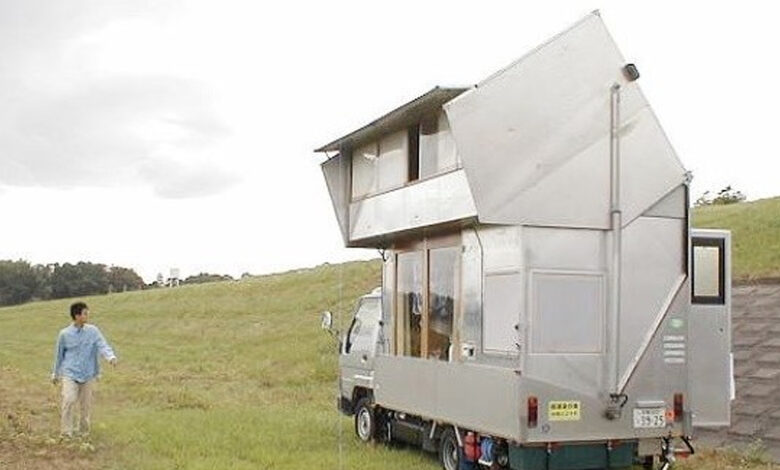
point(649, 417)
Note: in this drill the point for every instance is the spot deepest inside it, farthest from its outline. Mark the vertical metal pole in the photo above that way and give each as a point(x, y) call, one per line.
point(616, 229)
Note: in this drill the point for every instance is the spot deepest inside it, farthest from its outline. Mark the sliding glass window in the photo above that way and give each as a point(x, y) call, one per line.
point(443, 271)
point(409, 304)
point(426, 298)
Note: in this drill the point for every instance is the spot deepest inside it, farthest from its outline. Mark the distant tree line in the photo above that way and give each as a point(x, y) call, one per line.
point(22, 282)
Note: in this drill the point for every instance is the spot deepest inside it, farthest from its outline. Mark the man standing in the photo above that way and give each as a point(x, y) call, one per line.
point(76, 364)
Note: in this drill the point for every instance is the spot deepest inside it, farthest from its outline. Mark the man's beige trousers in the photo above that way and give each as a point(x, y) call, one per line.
point(74, 393)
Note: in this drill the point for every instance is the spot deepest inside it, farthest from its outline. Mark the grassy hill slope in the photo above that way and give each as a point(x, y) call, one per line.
point(755, 235)
point(228, 375)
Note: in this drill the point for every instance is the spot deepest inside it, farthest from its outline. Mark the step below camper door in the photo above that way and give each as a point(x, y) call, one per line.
point(710, 367)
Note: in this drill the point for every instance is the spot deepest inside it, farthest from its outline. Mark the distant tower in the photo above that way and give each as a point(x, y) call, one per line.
point(173, 280)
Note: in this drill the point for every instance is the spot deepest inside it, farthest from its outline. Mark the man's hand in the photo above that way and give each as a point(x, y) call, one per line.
point(112, 361)
point(55, 380)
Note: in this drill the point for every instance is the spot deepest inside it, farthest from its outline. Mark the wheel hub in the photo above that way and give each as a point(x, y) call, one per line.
point(364, 424)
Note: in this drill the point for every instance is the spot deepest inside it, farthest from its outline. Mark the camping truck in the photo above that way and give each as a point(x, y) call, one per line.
point(544, 303)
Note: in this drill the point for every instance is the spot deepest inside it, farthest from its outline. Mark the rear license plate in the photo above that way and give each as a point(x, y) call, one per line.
point(649, 417)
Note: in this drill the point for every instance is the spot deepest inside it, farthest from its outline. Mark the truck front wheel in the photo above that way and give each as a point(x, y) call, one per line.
point(449, 453)
point(365, 420)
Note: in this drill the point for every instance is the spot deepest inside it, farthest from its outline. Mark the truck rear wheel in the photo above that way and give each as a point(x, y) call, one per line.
point(449, 452)
point(365, 420)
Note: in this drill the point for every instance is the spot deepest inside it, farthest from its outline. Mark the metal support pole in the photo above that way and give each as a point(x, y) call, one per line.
point(616, 229)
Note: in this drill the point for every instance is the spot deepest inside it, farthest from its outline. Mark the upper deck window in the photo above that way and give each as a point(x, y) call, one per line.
point(420, 151)
point(381, 165)
point(437, 148)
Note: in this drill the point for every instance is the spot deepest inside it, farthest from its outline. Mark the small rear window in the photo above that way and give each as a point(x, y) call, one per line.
point(708, 271)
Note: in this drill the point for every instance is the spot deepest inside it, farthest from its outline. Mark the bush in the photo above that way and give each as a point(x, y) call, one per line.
point(727, 195)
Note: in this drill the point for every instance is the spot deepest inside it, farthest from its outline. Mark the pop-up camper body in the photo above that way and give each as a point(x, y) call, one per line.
point(541, 282)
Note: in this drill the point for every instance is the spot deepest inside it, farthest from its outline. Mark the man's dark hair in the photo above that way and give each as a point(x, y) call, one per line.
point(76, 309)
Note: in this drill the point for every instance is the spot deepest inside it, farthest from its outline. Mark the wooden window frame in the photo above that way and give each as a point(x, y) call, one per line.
point(423, 246)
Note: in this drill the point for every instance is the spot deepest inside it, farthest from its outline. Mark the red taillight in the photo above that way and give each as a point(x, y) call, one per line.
point(471, 449)
point(678, 406)
point(533, 411)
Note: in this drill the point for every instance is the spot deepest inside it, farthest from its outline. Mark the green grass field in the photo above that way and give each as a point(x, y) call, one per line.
point(237, 375)
point(755, 231)
point(228, 375)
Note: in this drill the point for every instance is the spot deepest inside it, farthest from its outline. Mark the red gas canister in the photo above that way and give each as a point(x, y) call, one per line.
point(471, 449)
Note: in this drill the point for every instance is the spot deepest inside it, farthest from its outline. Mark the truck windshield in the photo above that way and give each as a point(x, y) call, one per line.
point(369, 309)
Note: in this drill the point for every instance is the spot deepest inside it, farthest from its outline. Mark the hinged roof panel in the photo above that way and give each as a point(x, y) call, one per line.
point(397, 119)
point(534, 138)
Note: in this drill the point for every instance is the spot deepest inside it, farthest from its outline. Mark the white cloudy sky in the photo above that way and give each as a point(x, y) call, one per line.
point(158, 134)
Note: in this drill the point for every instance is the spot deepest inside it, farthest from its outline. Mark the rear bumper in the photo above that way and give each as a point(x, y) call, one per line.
point(573, 456)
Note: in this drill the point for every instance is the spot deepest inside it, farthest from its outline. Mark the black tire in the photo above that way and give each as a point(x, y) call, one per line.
point(365, 420)
point(449, 451)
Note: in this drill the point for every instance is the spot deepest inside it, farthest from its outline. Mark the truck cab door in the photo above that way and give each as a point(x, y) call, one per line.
point(711, 382)
point(359, 347)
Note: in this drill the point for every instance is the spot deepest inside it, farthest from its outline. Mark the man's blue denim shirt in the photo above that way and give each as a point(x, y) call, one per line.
point(76, 353)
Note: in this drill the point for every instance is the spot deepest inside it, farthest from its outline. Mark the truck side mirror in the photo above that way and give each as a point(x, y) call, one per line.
point(326, 321)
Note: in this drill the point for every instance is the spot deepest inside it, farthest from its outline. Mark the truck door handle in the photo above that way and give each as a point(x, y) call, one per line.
point(363, 358)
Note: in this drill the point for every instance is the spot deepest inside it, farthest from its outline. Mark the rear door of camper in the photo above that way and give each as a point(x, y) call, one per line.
point(711, 363)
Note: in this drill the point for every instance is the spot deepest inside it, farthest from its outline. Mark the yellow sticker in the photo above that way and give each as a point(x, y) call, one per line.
point(563, 411)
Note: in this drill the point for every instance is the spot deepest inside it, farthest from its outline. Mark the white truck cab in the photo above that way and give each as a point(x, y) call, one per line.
point(358, 349)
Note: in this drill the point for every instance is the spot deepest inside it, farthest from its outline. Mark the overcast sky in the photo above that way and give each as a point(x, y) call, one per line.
point(159, 134)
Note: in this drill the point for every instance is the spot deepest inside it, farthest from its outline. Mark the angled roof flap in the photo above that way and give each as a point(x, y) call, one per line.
point(396, 119)
point(534, 137)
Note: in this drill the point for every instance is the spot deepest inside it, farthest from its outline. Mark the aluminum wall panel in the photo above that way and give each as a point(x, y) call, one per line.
point(500, 324)
point(653, 381)
point(580, 251)
point(475, 397)
point(503, 306)
point(501, 248)
point(388, 304)
point(534, 138)
point(570, 323)
point(711, 374)
point(649, 167)
point(673, 205)
point(658, 377)
point(441, 199)
point(337, 174)
point(652, 266)
point(550, 248)
point(581, 372)
point(470, 320)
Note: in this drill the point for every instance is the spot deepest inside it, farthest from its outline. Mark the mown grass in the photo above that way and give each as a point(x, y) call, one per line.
point(755, 235)
point(230, 375)
point(751, 457)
